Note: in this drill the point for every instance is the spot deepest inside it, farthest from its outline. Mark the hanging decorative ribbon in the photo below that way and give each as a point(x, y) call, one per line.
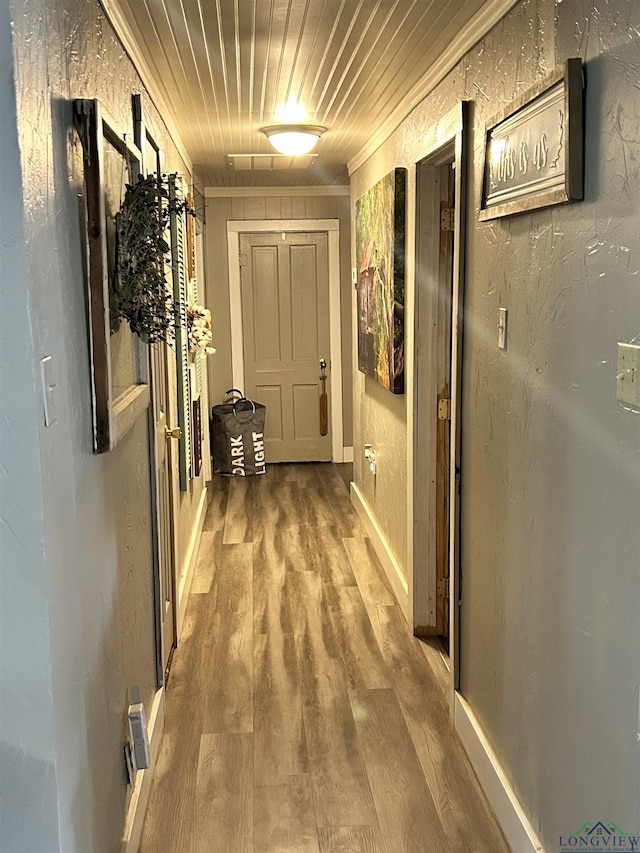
point(324, 410)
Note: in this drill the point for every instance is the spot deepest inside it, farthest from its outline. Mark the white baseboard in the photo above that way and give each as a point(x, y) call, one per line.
point(514, 823)
point(186, 576)
point(347, 454)
point(140, 797)
point(381, 547)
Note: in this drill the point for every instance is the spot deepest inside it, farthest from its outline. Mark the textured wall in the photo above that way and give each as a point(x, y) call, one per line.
point(27, 755)
point(550, 620)
point(96, 542)
point(221, 210)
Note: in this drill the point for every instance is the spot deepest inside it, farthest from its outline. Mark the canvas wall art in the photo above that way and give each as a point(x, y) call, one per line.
point(380, 250)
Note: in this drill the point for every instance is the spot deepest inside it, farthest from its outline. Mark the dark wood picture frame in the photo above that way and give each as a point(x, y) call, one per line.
point(112, 418)
point(533, 150)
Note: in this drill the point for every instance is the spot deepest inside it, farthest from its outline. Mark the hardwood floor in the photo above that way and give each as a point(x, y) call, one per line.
point(301, 715)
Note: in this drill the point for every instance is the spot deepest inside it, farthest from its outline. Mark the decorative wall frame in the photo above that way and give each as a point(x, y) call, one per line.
point(109, 157)
point(380, 252)
point(533, 150)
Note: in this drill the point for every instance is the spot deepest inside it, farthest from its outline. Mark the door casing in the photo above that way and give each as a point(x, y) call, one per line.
point(164, 488)
point(162, 463)
point(446, 143)
point(332, 228)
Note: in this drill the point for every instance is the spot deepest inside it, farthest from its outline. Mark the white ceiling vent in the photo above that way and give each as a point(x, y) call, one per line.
point(269, 162)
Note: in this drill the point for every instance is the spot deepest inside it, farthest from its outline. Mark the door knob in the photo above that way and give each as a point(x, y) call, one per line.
point(176, 432)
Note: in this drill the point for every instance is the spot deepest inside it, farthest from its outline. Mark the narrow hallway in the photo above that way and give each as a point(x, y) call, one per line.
point(301, 715)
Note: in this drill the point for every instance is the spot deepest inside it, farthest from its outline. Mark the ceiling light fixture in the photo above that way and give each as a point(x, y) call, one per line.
point(293, 139)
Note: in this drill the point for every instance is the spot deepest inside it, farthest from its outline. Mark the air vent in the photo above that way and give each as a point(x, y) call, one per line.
point(269, 162)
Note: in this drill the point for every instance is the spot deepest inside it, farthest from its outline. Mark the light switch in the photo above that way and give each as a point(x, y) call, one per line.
point(628, 377)
point(49, 389)
point(502, 328)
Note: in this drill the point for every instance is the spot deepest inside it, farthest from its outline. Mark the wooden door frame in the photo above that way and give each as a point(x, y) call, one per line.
point(446, 142)
point(331, 227)
point(145, 132)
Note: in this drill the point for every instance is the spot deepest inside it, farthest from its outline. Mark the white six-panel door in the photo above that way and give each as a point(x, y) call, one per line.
point(285, 318)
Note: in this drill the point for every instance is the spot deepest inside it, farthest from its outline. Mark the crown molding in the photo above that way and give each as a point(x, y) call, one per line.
point(482, 22)
point(263, 192)
point(119, 24)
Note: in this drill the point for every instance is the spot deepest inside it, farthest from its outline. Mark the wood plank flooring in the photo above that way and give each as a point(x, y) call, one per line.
point(301, 715)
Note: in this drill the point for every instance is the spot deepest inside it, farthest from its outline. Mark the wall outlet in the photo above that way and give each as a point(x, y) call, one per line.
point(49, 391)
point(502, 328)
point(628, 376)
point(370, 456)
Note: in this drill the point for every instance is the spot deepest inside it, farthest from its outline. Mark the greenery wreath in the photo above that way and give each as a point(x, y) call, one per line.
point(138, 290)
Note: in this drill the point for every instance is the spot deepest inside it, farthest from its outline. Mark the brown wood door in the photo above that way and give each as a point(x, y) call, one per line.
point(285, 317)
point(162, 462)
point(443, 384)
point(164, 503)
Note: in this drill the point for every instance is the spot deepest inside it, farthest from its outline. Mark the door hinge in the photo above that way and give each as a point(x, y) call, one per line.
point(442, 588)
point(242, 259)
point(444, 409)
point(447, 218)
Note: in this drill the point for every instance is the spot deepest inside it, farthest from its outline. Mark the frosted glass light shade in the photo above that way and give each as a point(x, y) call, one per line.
point(293, 139)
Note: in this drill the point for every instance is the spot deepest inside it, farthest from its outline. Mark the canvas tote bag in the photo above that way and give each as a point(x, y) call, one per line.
point(237, 436)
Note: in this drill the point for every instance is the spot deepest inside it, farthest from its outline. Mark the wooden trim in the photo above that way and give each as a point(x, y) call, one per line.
point(513, 821)
point(235, 309)
point(273, 226)
point(425, 631)
point(445, 143)
point(140, 798)
point(385, 555)
point(489, 15)
point(332, 228)
point(271, 192)
point(189, 565)
point(335, 346)
point(144, 139)
point(127, 408)
point(436, 138)
point(457, 317)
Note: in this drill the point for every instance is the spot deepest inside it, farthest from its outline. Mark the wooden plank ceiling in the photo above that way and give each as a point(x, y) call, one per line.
point(226, 68)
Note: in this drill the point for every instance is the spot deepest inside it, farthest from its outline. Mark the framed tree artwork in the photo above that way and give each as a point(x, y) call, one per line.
point(380, 254)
